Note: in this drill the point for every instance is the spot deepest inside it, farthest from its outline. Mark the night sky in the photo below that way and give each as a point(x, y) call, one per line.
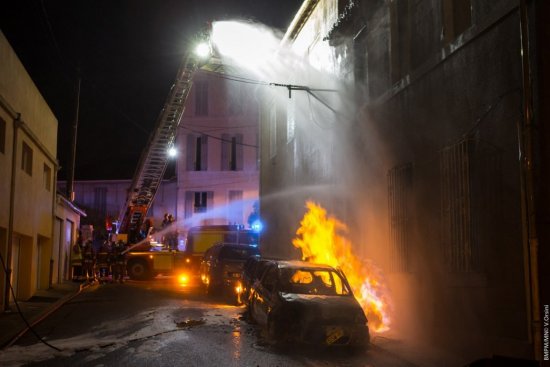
point(128, 52)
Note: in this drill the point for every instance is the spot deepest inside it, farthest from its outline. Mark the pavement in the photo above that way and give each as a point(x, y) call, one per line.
point(34, 310)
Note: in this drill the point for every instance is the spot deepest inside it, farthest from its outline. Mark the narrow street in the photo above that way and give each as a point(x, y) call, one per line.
point(159, 323)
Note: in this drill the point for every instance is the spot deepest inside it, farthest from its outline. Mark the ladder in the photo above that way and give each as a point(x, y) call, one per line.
point(154, 158)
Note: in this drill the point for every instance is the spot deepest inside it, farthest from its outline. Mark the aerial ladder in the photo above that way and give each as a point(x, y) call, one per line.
point(154, 158)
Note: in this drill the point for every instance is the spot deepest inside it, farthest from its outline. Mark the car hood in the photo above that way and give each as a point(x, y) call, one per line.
point(326, 307)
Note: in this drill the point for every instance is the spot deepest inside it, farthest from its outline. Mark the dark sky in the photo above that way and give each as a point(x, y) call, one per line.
point(128, 52)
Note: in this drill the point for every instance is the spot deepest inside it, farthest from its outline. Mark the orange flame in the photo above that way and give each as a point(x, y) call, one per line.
point(320, 242)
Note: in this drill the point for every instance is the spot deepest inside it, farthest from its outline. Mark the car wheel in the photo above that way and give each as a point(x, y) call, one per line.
point(138, 270)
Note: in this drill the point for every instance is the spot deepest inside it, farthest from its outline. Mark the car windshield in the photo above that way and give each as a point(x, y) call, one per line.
point(313, 281)
point(238, 252)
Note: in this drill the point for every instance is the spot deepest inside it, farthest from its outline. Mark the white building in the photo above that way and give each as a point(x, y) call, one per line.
point(218, 172)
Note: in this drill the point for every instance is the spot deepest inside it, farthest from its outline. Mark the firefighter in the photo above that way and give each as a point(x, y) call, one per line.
point(119, 262)
point(103, 265)
point(88, 261)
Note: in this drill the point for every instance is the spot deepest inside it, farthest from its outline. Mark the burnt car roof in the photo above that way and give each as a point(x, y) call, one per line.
point(303, 265)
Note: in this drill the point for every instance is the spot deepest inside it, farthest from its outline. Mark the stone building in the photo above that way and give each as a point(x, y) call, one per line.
point(409, 134)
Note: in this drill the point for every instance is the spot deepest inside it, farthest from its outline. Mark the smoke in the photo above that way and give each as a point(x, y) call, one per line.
point(319, 143)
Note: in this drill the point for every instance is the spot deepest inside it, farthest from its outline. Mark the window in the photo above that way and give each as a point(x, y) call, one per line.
point(26, 159)
point(197, 152)
point(456, 217)
point(457, 17)
point(47, 177)
point(201, 98)
point(399, 204)
point(232, 152)
point(2, 136)
point(400, 39)
point(200, 203)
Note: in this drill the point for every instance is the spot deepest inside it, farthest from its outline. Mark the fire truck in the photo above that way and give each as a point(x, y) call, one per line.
point(146, 259)
point(150, 260)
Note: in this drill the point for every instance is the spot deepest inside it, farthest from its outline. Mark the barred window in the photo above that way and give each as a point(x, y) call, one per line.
point(456, 217)
point(400, 183)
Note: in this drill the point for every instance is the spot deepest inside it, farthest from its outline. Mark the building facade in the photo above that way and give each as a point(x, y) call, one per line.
point(217, 169)
point(217, 166)
point(416, 150)
point(30, 246)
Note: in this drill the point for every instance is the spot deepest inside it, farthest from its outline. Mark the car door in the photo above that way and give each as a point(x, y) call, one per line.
point(265, 294)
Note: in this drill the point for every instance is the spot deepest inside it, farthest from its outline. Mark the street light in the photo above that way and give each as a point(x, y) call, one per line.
point(172, 152)
point(203, 50)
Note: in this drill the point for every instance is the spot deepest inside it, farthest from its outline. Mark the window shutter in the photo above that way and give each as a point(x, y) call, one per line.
point(204, 153)
point(239, 157)
point(226, 145)
point(190, 151)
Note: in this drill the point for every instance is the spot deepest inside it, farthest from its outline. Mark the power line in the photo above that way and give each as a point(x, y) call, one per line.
point(216, 137)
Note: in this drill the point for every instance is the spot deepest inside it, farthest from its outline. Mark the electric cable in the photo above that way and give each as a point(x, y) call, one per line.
point(216, 138)
point(29, 327)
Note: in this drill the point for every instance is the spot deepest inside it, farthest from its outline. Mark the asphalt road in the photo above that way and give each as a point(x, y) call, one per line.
point(159, 323)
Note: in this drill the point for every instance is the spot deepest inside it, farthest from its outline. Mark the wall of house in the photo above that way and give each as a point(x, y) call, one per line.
point(29, 185)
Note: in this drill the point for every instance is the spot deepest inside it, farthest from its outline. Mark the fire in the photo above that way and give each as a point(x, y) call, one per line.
point(320, 241)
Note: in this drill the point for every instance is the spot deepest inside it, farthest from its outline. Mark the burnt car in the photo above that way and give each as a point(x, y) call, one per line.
point(252, 272)
point(308, 303)
point(221, 268)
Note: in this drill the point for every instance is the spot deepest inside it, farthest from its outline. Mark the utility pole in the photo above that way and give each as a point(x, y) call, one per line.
point(71, 168)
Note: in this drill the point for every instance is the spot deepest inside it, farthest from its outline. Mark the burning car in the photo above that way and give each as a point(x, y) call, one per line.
point(310, 303)
point(252, 272)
